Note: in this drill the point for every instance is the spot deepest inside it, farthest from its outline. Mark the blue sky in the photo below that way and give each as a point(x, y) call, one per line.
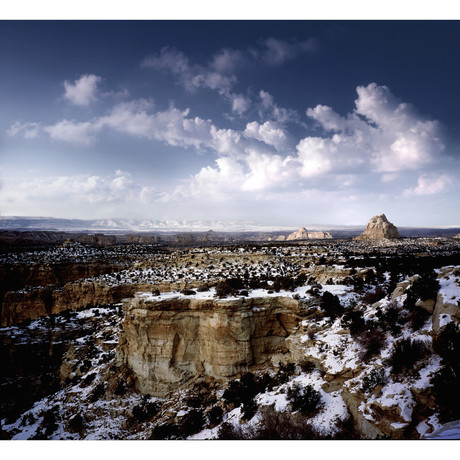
point(282, 123)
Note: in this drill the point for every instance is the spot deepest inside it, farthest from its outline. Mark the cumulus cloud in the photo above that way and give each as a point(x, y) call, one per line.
point(276, 52)
point(28, 130)
point(380, 139)
point(430, 185)
point(82, 91)
point(219, 73)
point(269, 109)
point(72, 131)
point(382, 132)
point(269, 133)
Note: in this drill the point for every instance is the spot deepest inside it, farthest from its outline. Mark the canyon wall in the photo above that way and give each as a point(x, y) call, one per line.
point(23, 305)
point(168, 342)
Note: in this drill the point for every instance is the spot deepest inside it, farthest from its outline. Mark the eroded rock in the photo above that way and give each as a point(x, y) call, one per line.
point(379, 228)
point(168, 342)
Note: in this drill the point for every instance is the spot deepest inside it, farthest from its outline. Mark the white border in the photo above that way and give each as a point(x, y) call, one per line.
point(233, 9)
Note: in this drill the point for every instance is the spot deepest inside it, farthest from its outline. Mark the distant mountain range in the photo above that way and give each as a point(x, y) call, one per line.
point(113, 226)
point(120, 226)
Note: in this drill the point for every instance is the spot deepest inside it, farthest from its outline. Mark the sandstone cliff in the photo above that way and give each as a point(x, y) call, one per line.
point(168, 342)
point(379, 228)
point(303, 234)
point(20, 306)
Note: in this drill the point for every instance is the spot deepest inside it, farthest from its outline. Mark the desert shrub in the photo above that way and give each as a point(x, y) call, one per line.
point(276, 425)
point(121, 388)
point(447, 345)
point(306, 399)
point(273, 425)
point(369, 276)
point(203, 288)
point(307, 367)
point(194, 401)
point(392, 318)
point(215, 415)
point(143, 412)
point(426, 286)
point(89, 379)
point(354, 321)
point(98, 392)
point(374, 378)
point(374, 296)
point(284, 373)
point(243, 390)
point(187, 292)
point(405, 353)
point(417, 318)
point(228, 287)
point(165, 431)
point(192, 423)
point(240, 391)
point(229, 432)
point(76, 423)
point(445, 384)
point(249, 409)
point(49, 425)
point(372, 341)
point(86, 366)
point(331, 305)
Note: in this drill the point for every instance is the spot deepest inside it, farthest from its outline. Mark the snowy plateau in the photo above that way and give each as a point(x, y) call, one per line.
point(319, 339)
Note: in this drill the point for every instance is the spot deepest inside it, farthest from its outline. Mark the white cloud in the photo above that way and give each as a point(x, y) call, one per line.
point(375, 144)
point(276, 52)
point(269, 109)
point(268, 132)
point(83, 91)
point(219, 73)
point(386, 135)
point(29, 130)
point(169, 59)
point(228, 60)
point(240, 103)
point(430, 185)
point(72, 131)
point(78, 190)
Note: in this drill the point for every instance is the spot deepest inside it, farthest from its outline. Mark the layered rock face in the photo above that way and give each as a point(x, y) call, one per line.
point(168, 342)
point(303, 234)
point(19, 306)
point(379, 228)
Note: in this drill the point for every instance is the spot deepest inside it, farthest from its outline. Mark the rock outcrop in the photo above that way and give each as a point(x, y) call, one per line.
point(379, 228)
point(168, 342)
point(303, 234)
point(23, 305)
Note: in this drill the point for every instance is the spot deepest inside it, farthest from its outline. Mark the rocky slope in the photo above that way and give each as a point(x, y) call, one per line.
point(329, 339)
point(379, 228)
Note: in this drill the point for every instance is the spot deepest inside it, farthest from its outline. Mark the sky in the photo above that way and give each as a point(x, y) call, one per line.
point(276, 123)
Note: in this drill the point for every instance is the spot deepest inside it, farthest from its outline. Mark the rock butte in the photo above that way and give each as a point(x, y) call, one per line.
point(167, 342)
point(379, 228)
point(303, 234)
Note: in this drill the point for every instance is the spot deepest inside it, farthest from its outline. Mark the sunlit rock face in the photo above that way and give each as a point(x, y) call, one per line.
point(167, 342)
point(379, 228)
point(303, 234)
